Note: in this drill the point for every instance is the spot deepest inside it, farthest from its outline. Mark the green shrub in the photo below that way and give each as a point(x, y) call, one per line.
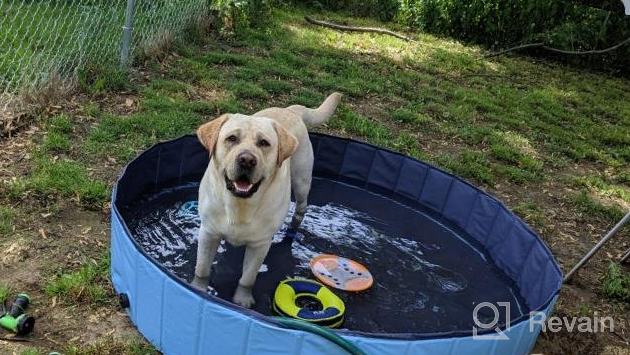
point(505, 23)
point(241, 13)
point(381, 9)
point(491, 22)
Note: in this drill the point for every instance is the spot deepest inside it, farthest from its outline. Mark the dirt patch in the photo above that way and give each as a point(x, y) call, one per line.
point(565, 343)
point(47, 242)
point(53, 235)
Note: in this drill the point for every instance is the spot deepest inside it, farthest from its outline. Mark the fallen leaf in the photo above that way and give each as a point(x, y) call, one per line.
point(128, 102)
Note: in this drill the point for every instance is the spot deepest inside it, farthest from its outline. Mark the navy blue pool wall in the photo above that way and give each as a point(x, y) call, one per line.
point(212, 325)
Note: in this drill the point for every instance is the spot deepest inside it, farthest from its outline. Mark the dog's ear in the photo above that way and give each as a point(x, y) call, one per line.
point(287, 143)
point(208, 133)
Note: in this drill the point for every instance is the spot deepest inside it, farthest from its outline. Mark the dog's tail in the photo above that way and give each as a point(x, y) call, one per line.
point(313, 117)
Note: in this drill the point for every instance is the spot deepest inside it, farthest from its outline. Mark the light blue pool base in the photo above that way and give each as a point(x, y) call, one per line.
point(178, 320)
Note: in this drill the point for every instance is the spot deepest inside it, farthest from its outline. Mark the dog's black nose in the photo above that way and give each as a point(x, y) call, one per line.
point(246, 160)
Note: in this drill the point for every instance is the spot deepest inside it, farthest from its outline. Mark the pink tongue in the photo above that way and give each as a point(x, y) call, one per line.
point(242, 185)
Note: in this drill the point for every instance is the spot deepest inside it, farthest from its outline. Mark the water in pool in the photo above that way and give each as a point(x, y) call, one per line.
point(427, 278)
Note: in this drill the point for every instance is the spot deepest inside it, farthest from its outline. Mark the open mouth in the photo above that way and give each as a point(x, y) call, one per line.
point(242, 186)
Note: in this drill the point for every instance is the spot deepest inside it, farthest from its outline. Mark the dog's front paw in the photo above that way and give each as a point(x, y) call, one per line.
point(200, 283)
point(243, 296)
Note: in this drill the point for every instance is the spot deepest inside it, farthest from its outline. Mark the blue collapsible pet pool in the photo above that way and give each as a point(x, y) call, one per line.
point(436, 246)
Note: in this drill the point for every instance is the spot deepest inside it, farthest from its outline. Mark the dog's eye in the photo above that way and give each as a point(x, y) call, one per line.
point(263, 143)
point(231, 139)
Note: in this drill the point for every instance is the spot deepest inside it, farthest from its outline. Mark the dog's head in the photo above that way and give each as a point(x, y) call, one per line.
point(247, 150)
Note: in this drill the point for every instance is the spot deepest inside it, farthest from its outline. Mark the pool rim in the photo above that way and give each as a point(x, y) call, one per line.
point(116, 215)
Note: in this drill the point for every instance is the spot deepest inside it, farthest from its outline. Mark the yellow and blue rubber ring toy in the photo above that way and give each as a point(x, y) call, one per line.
point(328, 312)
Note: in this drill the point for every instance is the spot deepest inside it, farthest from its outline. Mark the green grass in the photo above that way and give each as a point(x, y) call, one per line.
point(616, 283)
point(106, 347)
point(397, 94)
point(54, 37)
point(229, 59)
point(61, 124)
point(469, 163)
point(5, 292)
point(64, 39)
point(276, 87)
point(105, 78)
point(248, 90)
point(57, 139)
point(7, 217)
point(66, 178)
point(531, 212)
point(592, 208)
point(56, 143)
point(112, 347)
point(409, 116)
point(512, 127)
point(91, 109)
point(122, 137)
point(84, 285)
point(604, 187)
point(354, 124)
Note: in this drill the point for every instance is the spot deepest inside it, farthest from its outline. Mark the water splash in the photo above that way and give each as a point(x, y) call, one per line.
point(348, 230)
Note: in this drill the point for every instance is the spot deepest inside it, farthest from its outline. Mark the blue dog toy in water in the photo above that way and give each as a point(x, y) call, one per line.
point(308, 301)
point(190, 208)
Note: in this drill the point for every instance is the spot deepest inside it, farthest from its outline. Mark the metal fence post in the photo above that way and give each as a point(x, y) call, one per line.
point(127, 32)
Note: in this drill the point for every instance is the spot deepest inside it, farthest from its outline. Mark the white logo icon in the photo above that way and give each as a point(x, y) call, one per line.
point(483, 326)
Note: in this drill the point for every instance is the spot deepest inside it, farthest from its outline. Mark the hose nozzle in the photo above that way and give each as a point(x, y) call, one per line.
point(16, 320)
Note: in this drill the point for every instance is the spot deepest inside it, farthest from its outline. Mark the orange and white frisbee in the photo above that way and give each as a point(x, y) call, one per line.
point(341, 273)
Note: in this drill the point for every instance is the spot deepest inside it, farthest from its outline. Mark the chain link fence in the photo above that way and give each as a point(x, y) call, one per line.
point(45, 40)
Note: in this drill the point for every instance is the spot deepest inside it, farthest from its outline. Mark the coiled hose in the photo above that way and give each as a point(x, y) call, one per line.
point(321, 331)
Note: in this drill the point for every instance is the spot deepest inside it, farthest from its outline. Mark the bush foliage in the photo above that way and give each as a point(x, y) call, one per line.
point(241, 13)
point(498, 24)
point(504, 23)
point(384, 10)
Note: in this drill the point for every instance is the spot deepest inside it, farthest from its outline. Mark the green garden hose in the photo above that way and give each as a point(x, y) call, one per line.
point(322, 332)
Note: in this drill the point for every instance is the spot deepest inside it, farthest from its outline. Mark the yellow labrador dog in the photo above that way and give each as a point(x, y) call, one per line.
point(246, 190)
